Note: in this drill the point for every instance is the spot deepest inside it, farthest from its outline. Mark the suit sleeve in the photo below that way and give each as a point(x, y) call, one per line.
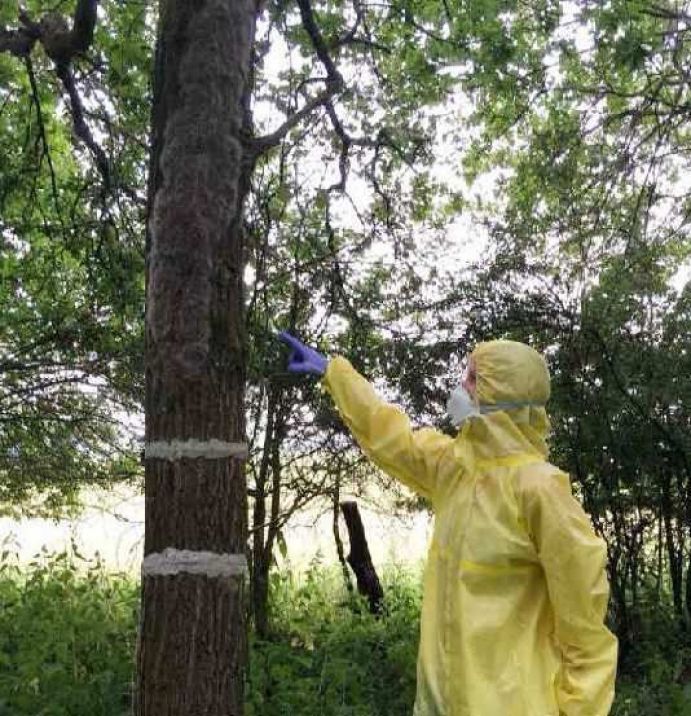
point(573, 558)
point(384, 432)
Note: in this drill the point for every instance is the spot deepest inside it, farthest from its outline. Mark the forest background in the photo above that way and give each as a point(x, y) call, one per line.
point(428, 175)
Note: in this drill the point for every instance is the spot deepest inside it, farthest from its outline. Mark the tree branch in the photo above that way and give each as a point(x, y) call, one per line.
point(665, 13)
point(347, 40)
point(42, 132)
point(334, 84)
point(340, 186)
point(81, 128)
point(262, 144)
point(310, 25)
point(61, 45)
point(350, 35)
point(84, 25)
point(17, 42)
point(351, 38)
point(20, 42)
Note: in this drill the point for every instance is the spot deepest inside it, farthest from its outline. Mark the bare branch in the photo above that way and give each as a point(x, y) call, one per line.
point(42, 132)
point(81, 128)
point(262, 144)
point(310, 25)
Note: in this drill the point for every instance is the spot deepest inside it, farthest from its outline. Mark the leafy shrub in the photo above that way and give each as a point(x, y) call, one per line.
point(67, 634)
point(659, 654)
point(328, 655)
point(67, 631)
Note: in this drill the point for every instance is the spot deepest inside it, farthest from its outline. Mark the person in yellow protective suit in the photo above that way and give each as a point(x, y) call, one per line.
point(515, 589)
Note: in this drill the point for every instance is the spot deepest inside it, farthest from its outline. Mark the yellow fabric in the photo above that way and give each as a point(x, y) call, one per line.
point(515, 587)
point(509, 371)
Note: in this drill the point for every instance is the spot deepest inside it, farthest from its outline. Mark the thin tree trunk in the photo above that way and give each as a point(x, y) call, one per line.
point(687, 522)
point(265, 534)
point(337, 538)
point(360, 559)
point(687, 620)
point(673, 550)
point(192, 642)
point(618, 588)
point(660, 564)
point(260, 572)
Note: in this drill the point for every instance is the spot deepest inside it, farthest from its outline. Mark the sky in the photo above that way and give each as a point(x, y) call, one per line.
point(112, 527)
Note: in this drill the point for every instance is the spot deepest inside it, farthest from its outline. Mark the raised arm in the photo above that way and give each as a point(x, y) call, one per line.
point(573, 558)
point(383, 431)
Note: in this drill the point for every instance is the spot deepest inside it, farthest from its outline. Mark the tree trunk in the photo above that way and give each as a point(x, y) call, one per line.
point(687, 619)
point(260, 567)
point(687, 524)
point(337, 538)
point(674, 552)
point(360, 560)
point(192, 641)
point(617, 581)
point(266, 531)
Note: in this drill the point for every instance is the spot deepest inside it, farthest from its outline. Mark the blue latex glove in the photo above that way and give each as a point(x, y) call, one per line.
point(302, 358)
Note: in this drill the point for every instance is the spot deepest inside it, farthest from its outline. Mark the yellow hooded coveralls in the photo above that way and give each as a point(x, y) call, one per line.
point(515, 589)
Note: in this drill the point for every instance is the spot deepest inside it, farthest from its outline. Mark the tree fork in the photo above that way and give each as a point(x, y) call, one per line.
point(192, 641)
point(62, 45)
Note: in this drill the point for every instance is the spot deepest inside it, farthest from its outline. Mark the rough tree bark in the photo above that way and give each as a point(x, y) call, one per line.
point(192, 642)
point(360, 560)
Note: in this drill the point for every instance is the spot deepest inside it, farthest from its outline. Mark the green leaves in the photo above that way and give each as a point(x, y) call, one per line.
point(67, 633)
point(71, 267)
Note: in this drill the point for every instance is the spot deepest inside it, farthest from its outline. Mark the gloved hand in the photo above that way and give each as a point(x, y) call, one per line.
point(302, 358)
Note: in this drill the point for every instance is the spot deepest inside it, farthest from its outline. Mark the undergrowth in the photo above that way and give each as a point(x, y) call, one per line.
point(67, 636)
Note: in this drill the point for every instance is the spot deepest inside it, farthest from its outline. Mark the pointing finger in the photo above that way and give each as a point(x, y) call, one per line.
point(289, 340)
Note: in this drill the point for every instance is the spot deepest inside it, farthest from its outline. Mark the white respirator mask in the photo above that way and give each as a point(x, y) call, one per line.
point(460, 406)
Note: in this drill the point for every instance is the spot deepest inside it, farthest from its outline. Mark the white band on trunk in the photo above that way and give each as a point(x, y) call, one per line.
point(211, 449)
point(209, 564)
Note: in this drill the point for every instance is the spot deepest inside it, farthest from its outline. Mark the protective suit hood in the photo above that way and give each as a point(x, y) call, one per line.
point(514, 375)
